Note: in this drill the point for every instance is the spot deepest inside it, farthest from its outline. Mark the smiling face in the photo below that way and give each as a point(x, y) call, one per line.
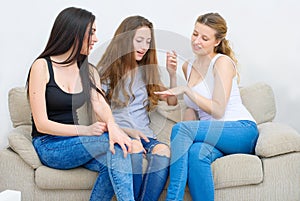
point(203, 40)
point(89, 40)
point(141, 42)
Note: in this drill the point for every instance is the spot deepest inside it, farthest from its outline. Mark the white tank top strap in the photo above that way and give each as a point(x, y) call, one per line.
point(189, 69)
point(213, 61)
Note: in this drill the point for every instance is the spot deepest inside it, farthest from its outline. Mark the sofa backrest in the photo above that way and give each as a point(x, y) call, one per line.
point(18, 106)
point(258, 99)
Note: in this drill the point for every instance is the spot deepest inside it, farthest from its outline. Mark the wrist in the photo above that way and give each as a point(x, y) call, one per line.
point(111, 124)
point(172, 74)
point(185, 89)
point(81, 130)
point(173, 81)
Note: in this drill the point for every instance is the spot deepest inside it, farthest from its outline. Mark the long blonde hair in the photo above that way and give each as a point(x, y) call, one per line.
point(217, 22)
point(118, 63)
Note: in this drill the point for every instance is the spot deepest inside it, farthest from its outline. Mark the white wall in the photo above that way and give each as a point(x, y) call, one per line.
point(264, 35)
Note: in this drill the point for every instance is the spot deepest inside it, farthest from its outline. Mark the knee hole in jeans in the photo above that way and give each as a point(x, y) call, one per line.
point(162, 150)
point(137, 146)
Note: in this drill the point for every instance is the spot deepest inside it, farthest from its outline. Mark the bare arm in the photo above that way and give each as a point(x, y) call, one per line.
point(104, 113)
point(171, 63)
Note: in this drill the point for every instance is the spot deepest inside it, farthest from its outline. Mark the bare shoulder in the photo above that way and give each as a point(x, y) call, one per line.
point(40, 68)
point(39, 64)
point(184, 67)
point(223, 63)
point(93, 72)
point(95, 75)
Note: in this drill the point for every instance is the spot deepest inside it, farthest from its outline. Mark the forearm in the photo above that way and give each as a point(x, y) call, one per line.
point(207, 105)
point(103, 113)
point(59, 129)
point(172, 100)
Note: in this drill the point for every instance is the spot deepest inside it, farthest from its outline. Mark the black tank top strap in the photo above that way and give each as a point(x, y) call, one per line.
point(50, 69)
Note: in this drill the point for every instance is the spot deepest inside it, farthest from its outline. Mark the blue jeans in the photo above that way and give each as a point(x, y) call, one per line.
point(149, 186)
point(91, 152)
point(196, 144)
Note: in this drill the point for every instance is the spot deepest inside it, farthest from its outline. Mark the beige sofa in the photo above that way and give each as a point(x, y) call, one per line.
point(273, 174)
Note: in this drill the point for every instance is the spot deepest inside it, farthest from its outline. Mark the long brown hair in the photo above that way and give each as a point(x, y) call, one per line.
point(118, 63)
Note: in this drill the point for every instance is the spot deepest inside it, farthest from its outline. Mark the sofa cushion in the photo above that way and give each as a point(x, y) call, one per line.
point(78, 178)
point(19, 140)
point(275, 139)
point(259, 100)
point(161, 127)
point(18, 106)
point(237, 170)
point(173, 113)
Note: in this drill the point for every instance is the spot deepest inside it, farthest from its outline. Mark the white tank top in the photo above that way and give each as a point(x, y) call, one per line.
point(235, 110)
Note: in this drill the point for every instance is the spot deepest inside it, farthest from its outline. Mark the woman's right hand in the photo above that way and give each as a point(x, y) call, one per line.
point(97, 128)
point(171, 62)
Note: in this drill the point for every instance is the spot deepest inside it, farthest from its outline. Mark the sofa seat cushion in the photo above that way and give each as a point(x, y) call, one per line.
point(73, 179)
point(237, 170)
point(78, 178)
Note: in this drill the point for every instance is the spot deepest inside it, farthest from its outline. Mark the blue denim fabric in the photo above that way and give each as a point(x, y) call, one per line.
point(149, 186)
point(196, 144)
point(91, 152)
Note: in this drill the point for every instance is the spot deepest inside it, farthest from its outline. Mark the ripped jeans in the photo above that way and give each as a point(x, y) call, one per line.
point(148, 186)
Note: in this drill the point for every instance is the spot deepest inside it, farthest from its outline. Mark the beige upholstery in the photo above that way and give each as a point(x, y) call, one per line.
point(272, 174)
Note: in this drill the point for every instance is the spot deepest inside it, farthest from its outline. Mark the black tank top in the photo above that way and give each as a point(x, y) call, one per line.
point(61, 106)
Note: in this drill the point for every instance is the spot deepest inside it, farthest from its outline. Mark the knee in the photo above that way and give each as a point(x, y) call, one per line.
point(137, 146)
point(162, 150)
point(200, 151)
point(183, 129)
point(175, 130)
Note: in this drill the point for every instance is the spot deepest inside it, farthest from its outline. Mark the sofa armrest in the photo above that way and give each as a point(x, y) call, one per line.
point(19, 142)
point(276, 139)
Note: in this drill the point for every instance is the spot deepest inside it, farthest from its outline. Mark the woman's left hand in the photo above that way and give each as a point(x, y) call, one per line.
point(136, 134)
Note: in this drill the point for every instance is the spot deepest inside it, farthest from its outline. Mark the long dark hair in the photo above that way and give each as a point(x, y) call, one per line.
point(68, 33)
point(119, 61)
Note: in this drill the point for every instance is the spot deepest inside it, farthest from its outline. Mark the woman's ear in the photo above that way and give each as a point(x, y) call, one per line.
point(218, 42)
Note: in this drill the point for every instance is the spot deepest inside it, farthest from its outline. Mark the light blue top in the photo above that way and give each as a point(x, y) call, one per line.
point(135, 115)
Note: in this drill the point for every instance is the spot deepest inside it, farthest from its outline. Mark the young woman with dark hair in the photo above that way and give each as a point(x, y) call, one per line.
point(59, 82)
